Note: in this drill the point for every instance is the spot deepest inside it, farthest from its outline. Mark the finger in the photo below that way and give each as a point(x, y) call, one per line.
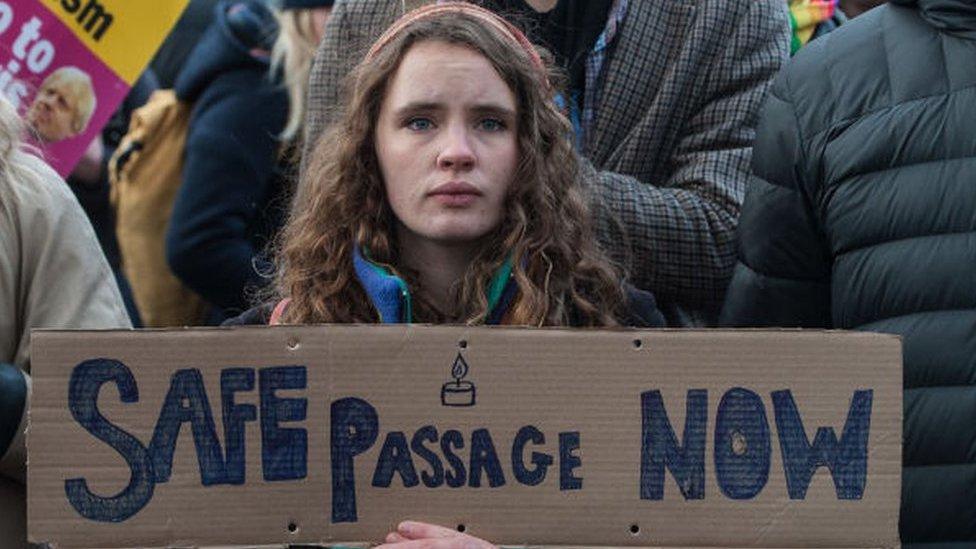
point(457, 542)
point(420, 530)
point(394, 537)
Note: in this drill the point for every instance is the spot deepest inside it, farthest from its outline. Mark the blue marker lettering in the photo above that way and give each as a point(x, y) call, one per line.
point(742, 446)
point(436, 477)
point(234, 380)
point(354, 428)
point(186, 402)
point(534, 476)
point(484, 457)
point(87, 379)
point(660, 447)
point(846, 460)
point(284, 452)
point(568, 443)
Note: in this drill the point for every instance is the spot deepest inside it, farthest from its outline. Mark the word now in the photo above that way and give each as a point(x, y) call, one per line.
point(742, 446)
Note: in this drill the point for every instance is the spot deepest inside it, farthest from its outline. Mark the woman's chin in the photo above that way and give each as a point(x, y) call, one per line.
point(457, 231)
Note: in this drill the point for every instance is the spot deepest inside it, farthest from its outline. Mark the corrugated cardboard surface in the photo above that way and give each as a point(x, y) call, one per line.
point(556, 380)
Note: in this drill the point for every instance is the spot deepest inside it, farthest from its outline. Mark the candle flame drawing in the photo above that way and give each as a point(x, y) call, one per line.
point(458, 392)
point(459, 369)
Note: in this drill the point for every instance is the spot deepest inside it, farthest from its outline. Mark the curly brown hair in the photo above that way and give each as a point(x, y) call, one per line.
point(562, 277)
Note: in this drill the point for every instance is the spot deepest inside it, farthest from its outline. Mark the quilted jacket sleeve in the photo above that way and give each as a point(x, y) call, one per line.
point(783, 274)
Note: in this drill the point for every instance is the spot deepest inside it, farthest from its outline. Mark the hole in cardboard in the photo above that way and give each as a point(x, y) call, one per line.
point(739, 443)
point(463, 344)
point(293, 344)
point(292, 528)
point(634, 529)
point(638, 344)
point(461, 528)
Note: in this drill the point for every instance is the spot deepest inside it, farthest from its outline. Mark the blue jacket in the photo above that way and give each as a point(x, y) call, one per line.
point(232, 198)
point(391, 297)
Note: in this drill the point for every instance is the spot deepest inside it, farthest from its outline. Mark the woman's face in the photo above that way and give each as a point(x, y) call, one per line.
point(446, 139)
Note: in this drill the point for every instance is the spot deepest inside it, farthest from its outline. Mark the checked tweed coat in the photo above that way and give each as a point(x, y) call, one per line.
point(668, 155)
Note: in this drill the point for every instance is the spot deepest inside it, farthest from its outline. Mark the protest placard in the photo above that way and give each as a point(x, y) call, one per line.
point(264, 436)
point(67, 64)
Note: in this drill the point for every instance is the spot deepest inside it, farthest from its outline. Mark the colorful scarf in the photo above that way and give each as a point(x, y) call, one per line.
point(805, 15)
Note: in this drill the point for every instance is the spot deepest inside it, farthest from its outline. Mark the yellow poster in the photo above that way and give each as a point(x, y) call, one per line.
point(123, 34)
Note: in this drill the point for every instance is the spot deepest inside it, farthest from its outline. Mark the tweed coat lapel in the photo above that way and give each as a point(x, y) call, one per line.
point(355, 24)
point(638, 75)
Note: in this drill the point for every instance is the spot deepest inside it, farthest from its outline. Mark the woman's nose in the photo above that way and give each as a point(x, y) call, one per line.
point(457, 153)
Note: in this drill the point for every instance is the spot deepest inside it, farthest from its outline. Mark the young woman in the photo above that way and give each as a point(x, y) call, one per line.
point(448, 193)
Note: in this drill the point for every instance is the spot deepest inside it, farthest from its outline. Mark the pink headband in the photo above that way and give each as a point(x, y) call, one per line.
point(485, 16)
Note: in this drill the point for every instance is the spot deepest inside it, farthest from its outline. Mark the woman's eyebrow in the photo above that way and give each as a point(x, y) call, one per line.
point(418, 106)
point(493, 109)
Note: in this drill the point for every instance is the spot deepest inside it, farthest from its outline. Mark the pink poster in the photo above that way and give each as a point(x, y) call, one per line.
point(53, 68)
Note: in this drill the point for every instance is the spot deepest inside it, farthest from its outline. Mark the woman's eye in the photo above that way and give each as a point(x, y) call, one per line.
point(419, 124)
point(492, 124)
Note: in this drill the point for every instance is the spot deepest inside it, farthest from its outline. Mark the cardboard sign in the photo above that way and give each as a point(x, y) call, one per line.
point(67, 64)
point(278, 435)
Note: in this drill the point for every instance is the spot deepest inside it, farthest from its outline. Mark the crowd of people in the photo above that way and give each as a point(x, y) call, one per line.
point(586, 163)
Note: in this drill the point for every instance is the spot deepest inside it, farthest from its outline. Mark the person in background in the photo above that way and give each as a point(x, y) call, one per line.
point(235, 189)
point(301, 25)
point(89, 181)
point(176, 49)
point(52, 275)
point(862, 215)
point(664, 99)
point(811, 19)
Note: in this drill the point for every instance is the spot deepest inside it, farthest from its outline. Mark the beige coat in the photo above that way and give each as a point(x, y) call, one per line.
point(52, 271)
point(52, 275)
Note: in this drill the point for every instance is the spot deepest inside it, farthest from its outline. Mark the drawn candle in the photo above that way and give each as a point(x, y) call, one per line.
point(458, 392)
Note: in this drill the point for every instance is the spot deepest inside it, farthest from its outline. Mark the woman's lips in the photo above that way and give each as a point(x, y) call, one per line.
point(455, 194)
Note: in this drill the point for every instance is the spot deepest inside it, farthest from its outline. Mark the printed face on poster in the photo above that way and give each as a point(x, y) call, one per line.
point(66, 65)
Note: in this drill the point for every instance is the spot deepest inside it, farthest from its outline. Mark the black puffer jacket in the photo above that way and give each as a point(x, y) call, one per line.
point(862, 215)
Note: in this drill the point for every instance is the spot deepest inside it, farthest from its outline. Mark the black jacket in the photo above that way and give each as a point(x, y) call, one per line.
point(862, 215)
point(232, 200)
point(179, 44)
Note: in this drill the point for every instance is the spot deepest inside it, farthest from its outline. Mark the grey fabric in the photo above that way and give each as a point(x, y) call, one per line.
point(669, 156)
point(862, 215)
point(52, 271)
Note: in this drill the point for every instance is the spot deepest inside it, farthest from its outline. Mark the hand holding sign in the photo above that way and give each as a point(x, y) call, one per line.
point(417, 535)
